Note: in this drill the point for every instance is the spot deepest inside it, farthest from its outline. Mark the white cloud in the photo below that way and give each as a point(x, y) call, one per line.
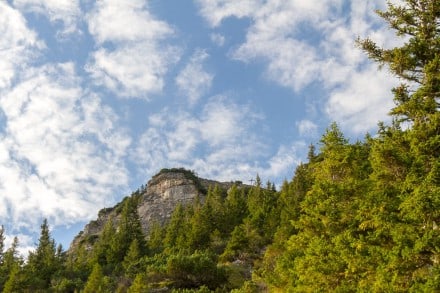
point(132, 58)
point(25, 242)
point(307, 128)
point(193, 80)
point(218, 39)
point(279, 34)
point(220, 142)
point(133, 70)
point(16, 44)
point(362, 101)
point(61, 154)
point(214, 11)
point(283, 163)
point(212, 142)
point(66, 11)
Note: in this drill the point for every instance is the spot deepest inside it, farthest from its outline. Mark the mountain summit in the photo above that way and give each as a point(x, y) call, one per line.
point(155, 202)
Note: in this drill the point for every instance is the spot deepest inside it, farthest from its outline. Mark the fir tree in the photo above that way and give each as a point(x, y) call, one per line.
point(96, 282)
point(42, 263)
point(407, 160)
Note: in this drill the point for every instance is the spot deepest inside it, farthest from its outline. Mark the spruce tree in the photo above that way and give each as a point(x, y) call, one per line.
point(42, 263)
point(96, 282)
point(11, 267)
point(405, 157)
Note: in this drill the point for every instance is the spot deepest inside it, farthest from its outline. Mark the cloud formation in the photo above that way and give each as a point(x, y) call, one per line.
point(65, 11)
point(60, 150)
point(226, 130)
point(132, 58)
point(279, 33)
point(17, 44)
point(194, 81)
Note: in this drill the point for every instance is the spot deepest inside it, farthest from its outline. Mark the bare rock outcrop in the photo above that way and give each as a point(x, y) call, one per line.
point(158, 200)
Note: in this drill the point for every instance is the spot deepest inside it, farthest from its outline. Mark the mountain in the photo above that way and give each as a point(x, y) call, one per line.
point(157, 200)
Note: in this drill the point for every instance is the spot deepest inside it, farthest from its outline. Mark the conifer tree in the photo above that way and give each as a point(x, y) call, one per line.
point(129, 229)
point(11, 267)
point(406, 161)
point(174, 233)
point(15, 282)
point(42, 263)
point(139, 285)
point(2, 244)
point(96, 282)
point(3, 272)
point(156, 238)
point(131, 263)
point(235, 205)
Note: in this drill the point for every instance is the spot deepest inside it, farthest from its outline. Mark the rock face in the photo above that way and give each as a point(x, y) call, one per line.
point(157, 201)
point(164, 192)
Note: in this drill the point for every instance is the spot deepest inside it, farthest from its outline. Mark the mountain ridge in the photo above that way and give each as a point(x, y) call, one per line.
point(157, 200)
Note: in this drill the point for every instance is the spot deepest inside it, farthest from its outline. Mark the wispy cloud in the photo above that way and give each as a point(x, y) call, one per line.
point(358, 104)
point(16, 44)
point(219, 142)
point(132, 57)
point(194, 81)
point(218, 39)
point(61, 152)
point(307, 128)
point(214, 11)
point(277, 35)
point(221, 129)
point(66, 12)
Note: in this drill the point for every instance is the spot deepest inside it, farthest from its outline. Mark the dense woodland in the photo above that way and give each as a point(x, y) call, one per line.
point(360, 216)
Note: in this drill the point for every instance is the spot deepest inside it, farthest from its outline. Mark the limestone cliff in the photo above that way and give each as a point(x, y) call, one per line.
point(157, 201)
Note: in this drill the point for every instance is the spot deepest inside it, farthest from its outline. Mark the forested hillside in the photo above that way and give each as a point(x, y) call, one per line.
point(357, 216)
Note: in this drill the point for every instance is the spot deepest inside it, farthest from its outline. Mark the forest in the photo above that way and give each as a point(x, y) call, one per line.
point(358, 216)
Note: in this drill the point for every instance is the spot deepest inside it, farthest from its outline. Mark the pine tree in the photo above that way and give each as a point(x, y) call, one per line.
point(11, 267)
point(277, 261)
point(96, 282)
point(129, 229)
point(3, 272)
point(42, 263)
point(406, 161)
point(2, 244)
point(139, 285)
point(156, 238)
point(15, 281)
point(417, 61)
point(131, 263)
point(175, 234)
point(102, 252)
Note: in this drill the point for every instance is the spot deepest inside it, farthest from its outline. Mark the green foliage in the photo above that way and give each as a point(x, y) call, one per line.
point(15, 282)
point(97, 282)
point(139, 285)
point(42, 263)
point(131, 262)
point(360, 216)
point(195, 270)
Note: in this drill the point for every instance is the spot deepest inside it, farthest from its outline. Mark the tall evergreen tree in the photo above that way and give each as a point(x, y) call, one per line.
point(129, 229)
point(406, 161)
point(97, 282)
point(42, 263)
point(11, 265)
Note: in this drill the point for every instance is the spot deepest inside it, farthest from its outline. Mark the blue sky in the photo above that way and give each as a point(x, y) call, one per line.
point(98, 96)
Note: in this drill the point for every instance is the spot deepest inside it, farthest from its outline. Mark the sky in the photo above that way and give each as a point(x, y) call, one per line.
point(98, 96)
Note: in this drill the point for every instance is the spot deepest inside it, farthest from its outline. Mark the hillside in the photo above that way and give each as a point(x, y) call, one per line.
point(155, 202)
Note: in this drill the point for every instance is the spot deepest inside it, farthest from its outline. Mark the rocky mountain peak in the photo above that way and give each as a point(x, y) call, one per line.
point(157, 201)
